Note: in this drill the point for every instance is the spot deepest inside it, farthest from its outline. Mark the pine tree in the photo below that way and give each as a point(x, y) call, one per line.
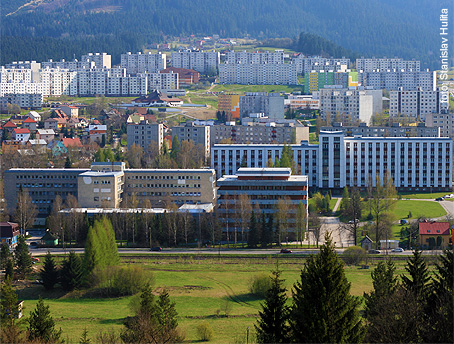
point(23, 257)
point(418, 282)
point(49, 272)
point(323, 310)
point(84, 339)
point(8, 304)
point(71, 273)
point(272, 324)
point(268, 232)
point(253, 237)
point(167, 317)
point(68, 163)
point(5, 254)
point(42, 326)
point(176, 147)
point(9, 269)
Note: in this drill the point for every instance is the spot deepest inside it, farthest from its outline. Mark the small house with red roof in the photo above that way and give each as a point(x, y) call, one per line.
point(434, 235)
point(21, 134)
point(70, 110)
point(75, 142)
point(30, 124)
point(34, 115)
point(9, 126)
point(17, 119)
point(55, 123)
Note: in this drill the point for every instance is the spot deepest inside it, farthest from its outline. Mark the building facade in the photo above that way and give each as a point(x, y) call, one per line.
point(141, 63)
point(245, 57)
point(258, 74)
point(101, 60)
point(199, 134)
point(308, 64)
point(417, 104)
point(144, 133)
point(205, 62)
point(270, 104)
point(371, 64)
point(443, 121)
point(229, 103)
point(395, 79)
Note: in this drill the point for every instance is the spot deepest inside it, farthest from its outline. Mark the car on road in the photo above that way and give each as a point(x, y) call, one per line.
point(353, 221)
point(286, 250)
point(398, 249)
point(156, 249)
point(374, 252)
point(439, 199)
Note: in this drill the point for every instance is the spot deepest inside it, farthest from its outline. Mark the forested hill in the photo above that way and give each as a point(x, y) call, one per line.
point(406, 28)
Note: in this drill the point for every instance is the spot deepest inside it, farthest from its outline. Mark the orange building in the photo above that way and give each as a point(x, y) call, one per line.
point(229, 103)
point(434, 235)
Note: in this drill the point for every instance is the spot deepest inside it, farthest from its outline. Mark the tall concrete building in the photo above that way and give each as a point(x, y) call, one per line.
point(258, 74)
point(199, 134)
point(359, 104)
point(141, 63)
point(229, 103)
point(270, 104)
point(205, 62)
point(371, 64)
point(245, 57)
point(442, 121)
point(418, 103)
point(395, 79)
point(163, 81)
point(101, 60)
point(308, 64)
point(70, 65)
point(144, 133)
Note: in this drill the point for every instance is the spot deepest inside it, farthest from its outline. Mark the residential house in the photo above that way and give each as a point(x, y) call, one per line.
point(55, 123)
point(70, 110)
point(21, 134)
point(75, 142)
point(9, 145)
point(58, 148)
point(156, 99)
point(96, 132)
point(45, 134)
point(39, 145)
point(49, 240)
point(34, 115)
point(9, 126)
point(17, 119)
point(9, 231)
point(30, 124)
point(434, 235)
point(366, 243)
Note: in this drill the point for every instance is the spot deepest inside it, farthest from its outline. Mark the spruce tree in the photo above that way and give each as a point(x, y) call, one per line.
point(42, 326)
point(23, 257)
point(8, 304)
point(253, 237)
point(9, 269)
point(5, 254)
point(49, 272)
point(176, 147)
point(71, 273)
point(323, 310)
point(272, 326)
point(418, 283)
point(268, 232)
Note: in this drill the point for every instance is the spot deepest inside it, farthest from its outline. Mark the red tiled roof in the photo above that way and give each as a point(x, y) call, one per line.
point(21, 131)
point(29, 120)
point(72, 142)
point(96, 122)
point(434, 228)
point(9, 124)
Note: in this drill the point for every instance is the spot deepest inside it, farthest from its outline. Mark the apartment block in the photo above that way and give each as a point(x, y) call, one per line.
point(264, 187)
point(258, 74)
point(373, 64)
point(205, 62)
point(359, 104)
point(396, 130)
point(245, 57)
point(316, 80)
point(270, 104)
point(415, 163)
point(418, 103)
point(302, 102)
point(308, 64)
point(442, 121)
point(24, 100)
point(163, 81)
point(70, 65)
point(199, 134)
point(393, 80)
point(259, 133)
point(141, 63)
point(144, 133)
point(229, 103)
point(101, 60)
point(186, 77)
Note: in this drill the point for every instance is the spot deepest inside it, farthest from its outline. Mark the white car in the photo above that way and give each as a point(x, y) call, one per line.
point(399, 249)
point(449, 196)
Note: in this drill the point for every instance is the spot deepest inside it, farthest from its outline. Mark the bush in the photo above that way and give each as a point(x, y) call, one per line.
point(260, 285)
point(204, 332)
point(354, 255)
point(116, 281)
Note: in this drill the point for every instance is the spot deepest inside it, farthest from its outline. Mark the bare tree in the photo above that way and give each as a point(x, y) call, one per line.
point(74, 218)
point(56, 218)
point(245, 209)
point(315, 225)
point(282, 216)
point(301, 221)
point(26, 211)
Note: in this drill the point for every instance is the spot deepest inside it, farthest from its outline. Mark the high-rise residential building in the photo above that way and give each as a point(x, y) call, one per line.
point(270, 104)
point(415, 163)
point(141, 63)
point(314, 81)
point(70, 65)
point(163, 81)
point(205, 62)
point(258, 74)
point(359, 104)
point(145, 133)
point(24, 100)
point(199, 134)
point(393, 80)
point(229, 103)
point(101, 60)
point(245, 57)
point(373, 64)
point(442, 121)
point(417, 104)
point(311, 102)
point(308, 64)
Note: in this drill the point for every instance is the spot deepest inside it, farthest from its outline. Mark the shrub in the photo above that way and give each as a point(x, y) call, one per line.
point(116, 281)
point(354, 255)
point(260, 285)
point(204, 332)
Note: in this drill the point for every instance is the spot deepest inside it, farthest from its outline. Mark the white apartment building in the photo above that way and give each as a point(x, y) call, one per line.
point(163, 81)
point(245, 57)
point(444, 121)
point(205, 62)
point(33, 65)
point(70, 65)
point(359, 104)
point(270, 104)
point(369, 65)
point(144, 133)
point(415, 163)
point(308, 64)
point(57, 82)
point(416, 104)
point(101, 60)
point(394, 79)
point(258, 74)
point(24, 100)
point(141, 63)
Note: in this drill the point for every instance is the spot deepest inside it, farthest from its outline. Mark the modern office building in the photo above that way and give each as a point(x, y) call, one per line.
point(396, 130)
point(270, 104)
point(258, 74)
point(141, 63)
point(359, 104)
point(417, 104)
point(205, 62)
point(415, 163)
point(199, 134)
point(144, 133)
point(371, 64)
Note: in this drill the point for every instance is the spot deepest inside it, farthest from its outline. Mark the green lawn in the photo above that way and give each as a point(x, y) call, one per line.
point(422, 195)
point(256, 88)
point(428, 209)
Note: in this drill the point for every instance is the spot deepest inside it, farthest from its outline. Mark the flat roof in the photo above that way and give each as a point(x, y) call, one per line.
point(169, 170)
point(114, 210)
point(101, 174)
point(47, 170)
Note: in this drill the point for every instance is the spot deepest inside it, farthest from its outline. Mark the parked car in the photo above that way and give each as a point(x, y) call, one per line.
point(374, 252)
point(353, 221)
point(286, 250)
point(156, 249)
point(449, 196)
point(399, 249)
point(439, 199)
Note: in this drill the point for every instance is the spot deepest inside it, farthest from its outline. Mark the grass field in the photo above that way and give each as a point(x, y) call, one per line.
point(256, 88)
point(418, 209)
point(425, 195)
point(200, 289)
